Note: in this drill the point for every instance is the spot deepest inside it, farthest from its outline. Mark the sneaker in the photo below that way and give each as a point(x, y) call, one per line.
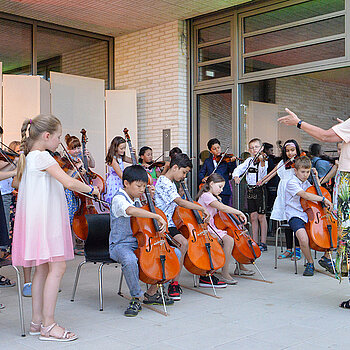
point(309, 270)
point(327, 264)
point(156, 299)
point(204, 282)
point(134, 308)
point(27, 290)
point(174, 291)
point(263, 247)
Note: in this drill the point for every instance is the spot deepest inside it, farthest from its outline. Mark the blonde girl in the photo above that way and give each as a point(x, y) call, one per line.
point(208, 197)
point(42, 235)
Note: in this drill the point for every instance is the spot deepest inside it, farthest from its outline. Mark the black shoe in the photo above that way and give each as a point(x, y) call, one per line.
point(309, 270)
point(204, 282)
point(327, 264)
point(134, 308)
point(263, 247)
point(174, 291)
point(156, 299)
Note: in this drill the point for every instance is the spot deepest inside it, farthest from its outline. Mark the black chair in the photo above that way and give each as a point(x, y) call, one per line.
point(96, 249)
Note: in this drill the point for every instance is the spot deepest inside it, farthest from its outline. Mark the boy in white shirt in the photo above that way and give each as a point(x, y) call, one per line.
point(256, 195)
point(297, 218)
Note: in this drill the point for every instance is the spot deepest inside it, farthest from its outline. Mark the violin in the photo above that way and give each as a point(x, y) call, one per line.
point(158, 164)
point(322, 226)
point(292, 163)
point(86, 205)
point(204, 255)
point(245, 249)
point(8, 156)
point(225, 157)
point(158, 262)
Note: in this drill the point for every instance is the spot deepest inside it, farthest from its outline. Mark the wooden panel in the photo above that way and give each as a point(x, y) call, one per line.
point(79, 103)
point(23, 97)
point(121, 112)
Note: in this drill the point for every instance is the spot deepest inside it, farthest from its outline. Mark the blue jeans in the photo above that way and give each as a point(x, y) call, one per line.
point(124, 254)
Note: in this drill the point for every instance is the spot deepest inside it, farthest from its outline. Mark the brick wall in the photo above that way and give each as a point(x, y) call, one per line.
point(90, 61)
point(315, 101)
point(153, 61)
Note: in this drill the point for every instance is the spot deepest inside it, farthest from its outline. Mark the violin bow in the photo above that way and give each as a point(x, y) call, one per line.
point(252, 161)
point(9, 160)
point(72, 163)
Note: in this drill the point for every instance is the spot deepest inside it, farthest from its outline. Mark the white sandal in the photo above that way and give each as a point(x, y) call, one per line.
point(45, 334)
point(34, 328)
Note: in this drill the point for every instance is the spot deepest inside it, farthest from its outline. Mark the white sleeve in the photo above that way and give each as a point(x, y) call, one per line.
point(119, 206)
point(44, 160)
point(240, 169)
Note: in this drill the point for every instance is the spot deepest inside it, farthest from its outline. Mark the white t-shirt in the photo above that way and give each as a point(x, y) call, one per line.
point(120, 204)
point(293, 207)
point(164, 197)
point(343, 131)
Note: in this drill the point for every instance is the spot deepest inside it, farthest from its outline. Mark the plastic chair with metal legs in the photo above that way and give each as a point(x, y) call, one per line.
point(283, 226)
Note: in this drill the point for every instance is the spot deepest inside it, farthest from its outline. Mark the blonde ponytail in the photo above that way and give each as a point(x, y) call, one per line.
point(30, 131)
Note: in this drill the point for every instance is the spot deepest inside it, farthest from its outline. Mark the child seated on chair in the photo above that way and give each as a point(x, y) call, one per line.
point(122, 243)
point(297, 218)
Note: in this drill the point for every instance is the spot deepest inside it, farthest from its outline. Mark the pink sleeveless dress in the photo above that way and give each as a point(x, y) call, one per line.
point(42, 231)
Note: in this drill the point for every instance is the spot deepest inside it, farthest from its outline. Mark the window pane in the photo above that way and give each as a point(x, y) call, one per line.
point(331, 49)
point(215, 119)
point(213, 71)
point(292, 13)
point(214, 52)
point(217, 32)
point(71, 54)
point(15, 47)
point(297, 34)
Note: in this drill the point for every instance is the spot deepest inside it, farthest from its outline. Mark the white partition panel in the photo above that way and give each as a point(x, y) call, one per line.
point(121, 112)
point(23, 97)
point(79, 103)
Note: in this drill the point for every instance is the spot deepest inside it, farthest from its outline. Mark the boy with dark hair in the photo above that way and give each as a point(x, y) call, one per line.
point(122, 243)
point(295, 214)
point(166, 199)
point(224, 169)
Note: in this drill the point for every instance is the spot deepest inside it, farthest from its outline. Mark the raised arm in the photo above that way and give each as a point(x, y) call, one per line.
point(316, 132)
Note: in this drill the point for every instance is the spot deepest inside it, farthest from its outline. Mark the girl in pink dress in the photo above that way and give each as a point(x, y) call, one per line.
point(208, 197)
point(42, 235)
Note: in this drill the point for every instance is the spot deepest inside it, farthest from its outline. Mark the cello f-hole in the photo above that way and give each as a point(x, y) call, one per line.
point(149, 248)
point(194, 236)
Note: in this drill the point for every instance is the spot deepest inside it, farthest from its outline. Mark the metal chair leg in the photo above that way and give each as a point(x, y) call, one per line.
point(20, 301)
point(276, 245)
point(295, 255)
point(195, 281)
point(100, 291)
point(121, 283)
point(76, 280)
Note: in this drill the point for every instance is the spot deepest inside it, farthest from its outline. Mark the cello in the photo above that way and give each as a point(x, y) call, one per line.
point(322, 225)
point(86, 205)
point(204, 255)
point(158, 262)
point(245, 249)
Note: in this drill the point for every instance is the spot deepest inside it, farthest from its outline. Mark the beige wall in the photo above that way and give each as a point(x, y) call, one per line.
point(153, 61)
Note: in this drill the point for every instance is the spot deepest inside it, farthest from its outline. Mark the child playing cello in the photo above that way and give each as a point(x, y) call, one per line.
point(297, 218)
point(208, 197)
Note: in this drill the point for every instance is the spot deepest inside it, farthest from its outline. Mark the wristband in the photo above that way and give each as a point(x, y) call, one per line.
point(299, 124)
point(323, 198)
point(92, 190)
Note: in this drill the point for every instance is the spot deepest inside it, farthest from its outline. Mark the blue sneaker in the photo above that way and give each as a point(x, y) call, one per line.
point(27, 290)
point(309, 270)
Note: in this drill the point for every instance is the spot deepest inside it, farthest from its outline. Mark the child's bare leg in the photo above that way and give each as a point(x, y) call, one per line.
point(255, 225)
point(183, 248)
point(304, 244)
point(39, 280)
point(263, 227)
point(228, 246)
point(27, 272)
